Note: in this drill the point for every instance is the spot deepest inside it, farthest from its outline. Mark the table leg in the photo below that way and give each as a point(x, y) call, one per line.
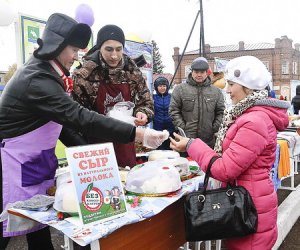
point(95, 245)
point(208, 245)
point(68, 243)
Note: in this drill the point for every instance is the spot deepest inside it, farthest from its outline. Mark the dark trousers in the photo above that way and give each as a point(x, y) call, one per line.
point(37, 240)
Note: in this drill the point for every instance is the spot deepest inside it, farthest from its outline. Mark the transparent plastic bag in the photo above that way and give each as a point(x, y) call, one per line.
point(123, 111)
point(65, 196)
point(154, 177)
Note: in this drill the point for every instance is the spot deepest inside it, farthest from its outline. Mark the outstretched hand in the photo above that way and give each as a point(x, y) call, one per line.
point(154, 138)
point(179, 143)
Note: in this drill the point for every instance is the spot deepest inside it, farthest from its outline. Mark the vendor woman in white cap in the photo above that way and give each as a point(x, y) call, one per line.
point(246, 144)
point(34, 107)
point(109, 76)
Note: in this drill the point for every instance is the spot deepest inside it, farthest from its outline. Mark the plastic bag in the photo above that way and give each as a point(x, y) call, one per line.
point(65, 196)
point(123, 111)
point(154, 177)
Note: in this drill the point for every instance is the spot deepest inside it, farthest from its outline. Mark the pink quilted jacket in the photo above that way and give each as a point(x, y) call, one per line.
point(248, 155)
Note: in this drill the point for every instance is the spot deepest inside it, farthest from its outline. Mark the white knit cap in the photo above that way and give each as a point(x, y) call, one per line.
point(249, 72)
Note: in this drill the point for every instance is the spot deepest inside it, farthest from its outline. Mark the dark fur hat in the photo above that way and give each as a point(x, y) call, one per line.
point(60, 31)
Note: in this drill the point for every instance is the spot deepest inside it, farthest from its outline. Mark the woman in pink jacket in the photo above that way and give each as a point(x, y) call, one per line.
point(246, 142)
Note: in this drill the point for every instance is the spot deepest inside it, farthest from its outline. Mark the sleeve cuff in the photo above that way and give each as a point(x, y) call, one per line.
point(189, 144)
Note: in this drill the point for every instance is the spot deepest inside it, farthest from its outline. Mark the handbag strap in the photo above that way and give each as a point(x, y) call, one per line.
point(207, 174)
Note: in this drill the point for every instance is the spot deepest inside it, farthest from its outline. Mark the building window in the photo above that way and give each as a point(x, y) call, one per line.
point(266, 63)
point(295, 68)
point(285, 68)
point(187, 70)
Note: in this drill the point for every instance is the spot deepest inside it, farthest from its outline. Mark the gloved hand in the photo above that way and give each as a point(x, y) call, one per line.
point(154, 138)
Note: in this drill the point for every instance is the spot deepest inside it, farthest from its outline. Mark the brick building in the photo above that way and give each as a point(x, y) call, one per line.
point(282, 60)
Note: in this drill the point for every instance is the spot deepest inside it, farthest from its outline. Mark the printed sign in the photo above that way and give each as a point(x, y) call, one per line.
point(220, 64)
point(97, 182)
point(31, 28)
point(136, 49)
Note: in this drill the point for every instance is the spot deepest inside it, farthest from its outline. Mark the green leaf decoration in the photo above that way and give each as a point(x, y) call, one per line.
point(90, 187)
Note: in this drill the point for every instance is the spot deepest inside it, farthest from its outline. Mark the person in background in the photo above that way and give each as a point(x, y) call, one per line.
point(162, 120)
point(246, 145)
point(296, 101)
point(34, 107)
point(271, 92)
point(109, 76)
point(197, 106)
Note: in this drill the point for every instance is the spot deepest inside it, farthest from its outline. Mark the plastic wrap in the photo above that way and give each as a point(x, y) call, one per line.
point(154, 177)
point(65, 197)
point(123, 111)
point(162, 154)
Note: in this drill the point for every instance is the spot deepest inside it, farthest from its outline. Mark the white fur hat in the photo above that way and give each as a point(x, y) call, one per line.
point(249, 72)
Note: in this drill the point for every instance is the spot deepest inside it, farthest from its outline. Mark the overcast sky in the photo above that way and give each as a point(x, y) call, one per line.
point(169, 22)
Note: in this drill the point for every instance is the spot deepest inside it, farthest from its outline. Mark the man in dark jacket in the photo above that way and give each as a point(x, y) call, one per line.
point(197, 106)
point(296, 101)
point(34, 106)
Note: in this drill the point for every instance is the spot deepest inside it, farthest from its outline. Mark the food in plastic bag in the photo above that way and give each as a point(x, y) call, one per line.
point(65, 196)
point(123, 111)
point(182, 165)
point(153, 177)
point(173, 158)
point(162, 154)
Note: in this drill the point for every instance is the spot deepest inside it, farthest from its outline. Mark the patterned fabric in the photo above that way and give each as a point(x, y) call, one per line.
point(68, 82)
point(95, 69)
point(231, 114)
point(274, 170)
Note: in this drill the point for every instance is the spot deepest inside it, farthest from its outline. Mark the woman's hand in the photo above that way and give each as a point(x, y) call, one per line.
point(179, 143)
point(141, 119)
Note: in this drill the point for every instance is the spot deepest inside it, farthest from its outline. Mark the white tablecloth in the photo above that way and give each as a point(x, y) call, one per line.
point(150, 206)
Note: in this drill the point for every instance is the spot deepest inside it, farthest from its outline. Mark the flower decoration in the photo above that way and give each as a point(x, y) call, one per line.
point(134, 201)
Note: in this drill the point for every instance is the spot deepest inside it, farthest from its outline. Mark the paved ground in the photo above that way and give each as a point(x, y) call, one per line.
point(291, 242)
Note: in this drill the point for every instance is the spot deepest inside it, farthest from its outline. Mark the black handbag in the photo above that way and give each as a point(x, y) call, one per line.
point(219, 213)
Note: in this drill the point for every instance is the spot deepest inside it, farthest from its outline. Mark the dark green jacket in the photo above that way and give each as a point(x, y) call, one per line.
point(197, 109)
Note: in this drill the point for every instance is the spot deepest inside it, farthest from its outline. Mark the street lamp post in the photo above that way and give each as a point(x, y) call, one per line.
point(202, 43)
